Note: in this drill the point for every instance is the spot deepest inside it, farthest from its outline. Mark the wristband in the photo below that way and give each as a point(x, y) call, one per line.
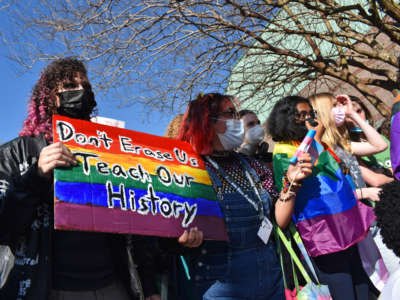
point(288, 186)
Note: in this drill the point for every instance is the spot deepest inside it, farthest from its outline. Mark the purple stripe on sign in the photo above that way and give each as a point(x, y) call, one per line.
point(96, 218)
point(97, 194)
point(332, 233)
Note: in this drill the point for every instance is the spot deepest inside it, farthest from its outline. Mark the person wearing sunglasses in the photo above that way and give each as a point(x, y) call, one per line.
point(246, 267)
point(331, 221)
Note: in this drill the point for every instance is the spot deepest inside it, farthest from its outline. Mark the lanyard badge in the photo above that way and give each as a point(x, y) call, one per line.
point(265, 230)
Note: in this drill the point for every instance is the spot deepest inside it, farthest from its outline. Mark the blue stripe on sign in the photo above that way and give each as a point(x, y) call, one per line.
point(96, 194)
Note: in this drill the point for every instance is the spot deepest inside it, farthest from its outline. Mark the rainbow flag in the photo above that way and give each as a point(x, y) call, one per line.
point(132, 182)
point(395, 137)
point(327, 213)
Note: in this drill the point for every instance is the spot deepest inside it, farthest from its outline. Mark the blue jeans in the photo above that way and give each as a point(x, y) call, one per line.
point(244, 268)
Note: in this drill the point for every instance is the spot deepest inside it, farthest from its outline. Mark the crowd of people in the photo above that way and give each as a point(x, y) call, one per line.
point(343, 203)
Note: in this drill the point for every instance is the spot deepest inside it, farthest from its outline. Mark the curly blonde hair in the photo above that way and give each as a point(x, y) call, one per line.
point(173, 127)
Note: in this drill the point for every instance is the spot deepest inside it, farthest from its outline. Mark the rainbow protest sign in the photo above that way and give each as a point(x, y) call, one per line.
point(132, 182)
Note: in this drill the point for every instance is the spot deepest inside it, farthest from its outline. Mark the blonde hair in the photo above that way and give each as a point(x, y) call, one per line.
point(333, 136)
point(173, 127)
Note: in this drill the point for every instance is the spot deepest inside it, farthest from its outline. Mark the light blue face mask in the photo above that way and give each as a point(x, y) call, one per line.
point(233, 136)
point(357, 129)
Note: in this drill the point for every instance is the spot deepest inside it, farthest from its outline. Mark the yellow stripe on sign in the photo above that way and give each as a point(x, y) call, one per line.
point(129, 160)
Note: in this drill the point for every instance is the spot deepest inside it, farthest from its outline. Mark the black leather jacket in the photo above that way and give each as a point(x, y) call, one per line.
point(26, 225)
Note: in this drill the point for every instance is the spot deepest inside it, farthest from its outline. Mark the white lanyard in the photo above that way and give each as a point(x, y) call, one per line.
point(238, 189)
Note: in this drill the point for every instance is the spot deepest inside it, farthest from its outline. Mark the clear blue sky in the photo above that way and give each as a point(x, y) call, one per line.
point(16, 89)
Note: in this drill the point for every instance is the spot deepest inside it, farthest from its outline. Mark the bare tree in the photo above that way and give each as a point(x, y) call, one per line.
point(165, 52)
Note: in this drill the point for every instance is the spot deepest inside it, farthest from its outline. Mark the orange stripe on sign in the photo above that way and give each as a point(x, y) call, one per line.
point(128, 160)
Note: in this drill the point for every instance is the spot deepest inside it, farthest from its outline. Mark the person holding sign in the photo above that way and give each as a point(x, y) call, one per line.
point(332, 222)
point(247, 266)
point(55, 264)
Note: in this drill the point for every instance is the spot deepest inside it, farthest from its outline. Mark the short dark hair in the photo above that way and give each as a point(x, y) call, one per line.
point(244, 112)
point(363, 106)
point(281, 124)
point(387, 212)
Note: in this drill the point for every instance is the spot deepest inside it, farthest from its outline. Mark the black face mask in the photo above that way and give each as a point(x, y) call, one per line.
point(300, 130)
point(76, 104)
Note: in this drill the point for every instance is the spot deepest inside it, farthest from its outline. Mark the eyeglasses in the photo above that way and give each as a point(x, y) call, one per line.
point(304, 114)
point(227, 114)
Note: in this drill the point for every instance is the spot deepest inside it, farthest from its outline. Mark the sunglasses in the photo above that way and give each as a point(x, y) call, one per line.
point(304, 114)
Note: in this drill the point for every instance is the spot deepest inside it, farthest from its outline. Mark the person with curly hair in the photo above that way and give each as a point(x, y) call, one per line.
point(61, 75)
point(55, 264)
point(387, 212)
point(173, 127)
point(246, 267)
point(330, 219)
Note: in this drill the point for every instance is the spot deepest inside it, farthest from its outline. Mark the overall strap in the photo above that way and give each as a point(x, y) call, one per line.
point(258, 185)
point(216, 182)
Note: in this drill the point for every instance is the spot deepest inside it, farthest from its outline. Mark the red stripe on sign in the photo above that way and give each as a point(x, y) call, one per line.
point(119, 140)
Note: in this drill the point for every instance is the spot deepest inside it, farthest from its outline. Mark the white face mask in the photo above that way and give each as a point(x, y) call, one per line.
point(254, 135)
point(233, 136)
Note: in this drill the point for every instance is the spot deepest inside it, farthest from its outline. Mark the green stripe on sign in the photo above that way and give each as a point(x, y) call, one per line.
point(75, 174)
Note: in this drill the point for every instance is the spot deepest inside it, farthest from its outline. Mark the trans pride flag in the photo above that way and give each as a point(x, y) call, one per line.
point(327, 213)
point(132, 182)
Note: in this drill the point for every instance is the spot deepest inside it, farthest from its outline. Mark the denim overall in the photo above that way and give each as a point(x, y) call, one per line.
point(244, 268)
